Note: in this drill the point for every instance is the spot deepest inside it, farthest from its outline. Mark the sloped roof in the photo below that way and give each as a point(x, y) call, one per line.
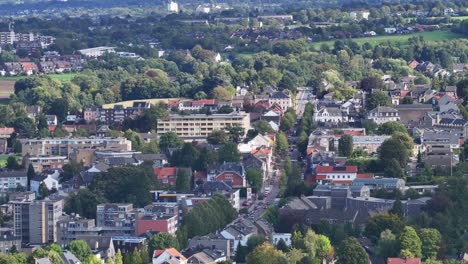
point(279, 95)
point(172, 251)
point(331, 169)
point(404, 261)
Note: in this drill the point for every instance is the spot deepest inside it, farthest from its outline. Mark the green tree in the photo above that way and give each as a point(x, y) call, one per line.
point(229, 153)
point(31, 174)
point(397, 208)
point(388, 245)
point(151, 148)
point(80, 249)
point(430, 242)
point(169, 140)
point(393, 149)
point(350, 251)
point(254, 241)
point(12, 163)
point(182, 180)
point(70, 170)
point(378, 98)
point(379, 223)
point(393, 169)
point(410, 243)
point(263, 127)
point(162, 241)
point(84, 203)
point(389, 128)
point(324, 248)
point(281, 143)
point(217, 137)
point(118, 257)
point(266, 252)
point(92, 259)
point(281, 245)
point(254, 178)
point(43, 190)
point(345, 146)
point(235, 132)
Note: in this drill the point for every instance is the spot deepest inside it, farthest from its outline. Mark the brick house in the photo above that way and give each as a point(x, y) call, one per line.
point(231, 173)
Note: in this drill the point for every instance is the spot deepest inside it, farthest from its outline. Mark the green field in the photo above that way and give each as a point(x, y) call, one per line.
point(63, 77)
point(402, 39)
point(457, 18)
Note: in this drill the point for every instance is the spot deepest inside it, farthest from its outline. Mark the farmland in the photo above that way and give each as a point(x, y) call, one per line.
point(400, 39)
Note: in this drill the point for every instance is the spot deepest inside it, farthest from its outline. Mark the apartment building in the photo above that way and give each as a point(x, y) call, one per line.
point(35, 221)
point(65, 146)
point(11, 179)
point(115, 218)
point(73, 226)
point(42, 163)
point(369, 144)
point(199, 126)
point(11, 37)
point(119, 113)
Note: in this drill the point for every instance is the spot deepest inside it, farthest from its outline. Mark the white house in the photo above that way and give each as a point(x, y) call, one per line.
point(383, 114)
point(257, 142)
point(97, 51)
point(172, 7)
point(329, 115)
point(169, 255)
point(238, 233)
point(276, 237)
point(390, 30)
point(281, 99)
point(51, 181)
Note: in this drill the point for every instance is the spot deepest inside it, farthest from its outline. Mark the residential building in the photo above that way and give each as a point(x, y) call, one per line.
point(276, 237)
point(11, 179)
point(96, 52)
point(239, 232)
point(257, 142)
point(35, 221)
point(73, 226)
point(65, 146)
point(11, 37)
point(7, 241)
point(383, 114)
point(50, 180)
point(118, 113)
point(91, 113)
point(156, 223)
point(332, 115)
point(169, 255)
point(116, 219)
point(199, 126)
point(411, 115)
point(281, 99)
point(369, 144)
point(128, 244)
point(5, 134)
point(388, 184)
point(167, 176)
point(214, 242)
point(231, 173)
point(172, 7)
point(43, 163)
point(207, 256)
point(336, 174)
point(101, 246)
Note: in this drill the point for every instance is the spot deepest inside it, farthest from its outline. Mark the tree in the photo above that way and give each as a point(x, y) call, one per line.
point(241, 253)
point(378, 98)
point(12, 163)
point(407, 100)
point(345, 146)
point(31, 174)
point(118, 257)
point(281, 245)
point(84, 203)
point(430, 242)
point(254, 178)
point(377, 224)
point(266, 252)
point(169, 140)
point(92, 259)
point(162, 240)
point(393, 169)
point(254, 241)
point(43, 190)
point(370, 83)
point(228, 153)
point(281, 143)
point(235, 132)
point(182, 180)
point(217, 137)
point(151, 148)
point(324, 248)
point(70, 170)
point(388, 245)
point(350, 251)
point(397, 208)
point(263, 127)
point(389, 128)
point(393, 149)
point(80, 249)
point(410, 243)
point(294, 255)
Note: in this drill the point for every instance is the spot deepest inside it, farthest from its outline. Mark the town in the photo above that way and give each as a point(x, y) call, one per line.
point(182, 132)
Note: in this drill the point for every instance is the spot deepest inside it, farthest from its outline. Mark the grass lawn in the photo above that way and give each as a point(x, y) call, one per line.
point(63, 77)
point(457, 18)
point(3, 160)
point(402, 39)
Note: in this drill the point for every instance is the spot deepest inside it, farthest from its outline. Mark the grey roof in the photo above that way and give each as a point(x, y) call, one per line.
point(386, 181)
point(39, 178)
point(119, 161)
point(414, 106)
point(383, 109)
point(280, 95)
point(231, 166)
point(43, 261)
point(4, 173)
point(69, 258)
point(213, 186)
point(149, 157)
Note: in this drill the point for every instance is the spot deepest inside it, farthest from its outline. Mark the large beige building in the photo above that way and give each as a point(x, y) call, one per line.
point(35, 221)
point(199, 126)
point(65, 146)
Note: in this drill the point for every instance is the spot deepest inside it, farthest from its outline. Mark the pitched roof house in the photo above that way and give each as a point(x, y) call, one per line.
point(170, 256)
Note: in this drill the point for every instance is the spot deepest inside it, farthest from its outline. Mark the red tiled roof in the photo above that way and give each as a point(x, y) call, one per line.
point(172, 251)
point(403, 261)
point(331, 169)
point(165, 172)
point(203, 102)
point(6, 130)
point(365, 175)
point(261, 150)
point(173, 102)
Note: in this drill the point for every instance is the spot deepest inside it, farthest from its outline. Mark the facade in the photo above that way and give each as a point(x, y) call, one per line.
point(199, 126)
point(70, 227)
point(369, 144)
point(388, 184)
point(230, 173)
point(329, 115)
point(156, 223)
point(96, 52)
point(281, 99)
point(336, 174)
point(41, 163)
point(35, 221)
point(119, 113)
point(7, 241)
point(383, 114)
point(116, 218)
point(276, 237)
point(11, 37)
point(65, 146)
point(10, 180)
point(50, 180)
